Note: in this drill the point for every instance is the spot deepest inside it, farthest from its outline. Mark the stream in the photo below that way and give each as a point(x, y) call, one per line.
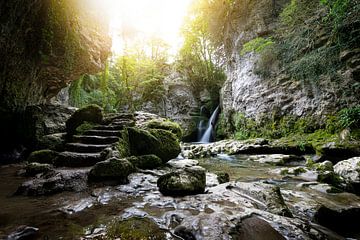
point(85, 215)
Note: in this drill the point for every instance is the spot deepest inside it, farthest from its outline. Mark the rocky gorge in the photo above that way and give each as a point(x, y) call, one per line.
point(282, 159)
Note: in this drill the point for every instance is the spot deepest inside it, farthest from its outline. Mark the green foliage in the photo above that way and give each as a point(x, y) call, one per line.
point(129, 81)
point(337, 10)
point(197, 60)
point(256, 45)
point(310, 67)
point(350, 117)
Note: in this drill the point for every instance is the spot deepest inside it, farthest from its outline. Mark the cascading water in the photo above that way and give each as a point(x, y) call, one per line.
point(208, 134)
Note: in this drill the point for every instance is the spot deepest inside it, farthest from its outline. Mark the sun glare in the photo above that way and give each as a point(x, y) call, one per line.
point(145, 18)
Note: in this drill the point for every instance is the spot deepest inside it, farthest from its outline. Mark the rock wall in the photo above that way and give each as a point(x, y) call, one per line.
point(279, 94)
point(43, 46)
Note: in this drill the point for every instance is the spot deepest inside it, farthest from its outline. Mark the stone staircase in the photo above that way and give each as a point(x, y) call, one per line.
point(85, 150)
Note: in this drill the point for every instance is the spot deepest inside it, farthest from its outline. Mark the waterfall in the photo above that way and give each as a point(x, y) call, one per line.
point(208, 135)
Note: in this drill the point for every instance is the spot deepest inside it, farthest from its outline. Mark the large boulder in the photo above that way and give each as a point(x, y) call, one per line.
point(42, 120)
point(91, 114)
point(349, 170)
point(187, 181)
point(113, 169)
point(162, 143)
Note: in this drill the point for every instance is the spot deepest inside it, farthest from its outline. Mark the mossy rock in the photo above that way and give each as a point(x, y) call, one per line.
point(91, 114)
point(53, 141)
point(34, 168)
point(169, 147)
point(150, 161)
point(223, 177)
point(135, 229)
point(166, 125)
point(43, 156)
point(84, 127)
point(162, 143)
point(113, 169)
point(183, 182)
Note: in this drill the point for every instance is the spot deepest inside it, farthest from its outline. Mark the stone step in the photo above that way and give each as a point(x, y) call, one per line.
point(124, 123)
point(109, 127)
point(95, 139)
point(85, 148)
point(102, 132)
point(75, 159)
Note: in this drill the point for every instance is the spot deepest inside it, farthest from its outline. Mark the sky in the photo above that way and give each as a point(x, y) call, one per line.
point(146, 18)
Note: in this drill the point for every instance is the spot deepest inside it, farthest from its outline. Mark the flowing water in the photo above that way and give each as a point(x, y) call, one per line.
point(208, 135)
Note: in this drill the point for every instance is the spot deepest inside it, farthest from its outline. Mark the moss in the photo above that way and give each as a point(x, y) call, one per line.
point(223, 177)
point(284, 172)
point(84, 127)
point(34, 168)
point(123, 145)
point(299, 170)
point(135, 229)
point(43, 156)
point(146, 161)
point(169, 147)
point(91, 114)
point(166, 125)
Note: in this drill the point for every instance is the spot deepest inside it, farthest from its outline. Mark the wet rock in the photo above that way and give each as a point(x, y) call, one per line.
point(254, 228)
point(278, 159)
point(349, 170)
point(342, 221)
point(113, 169)
point(54, 182)
point(145, 161)
point(91, 114)
point(35, 168)
point(23, 233)
point(182, 182)
point(184, 233)
point(266, 195)
point(43, 156)
point(182, 163)
point(337, 152)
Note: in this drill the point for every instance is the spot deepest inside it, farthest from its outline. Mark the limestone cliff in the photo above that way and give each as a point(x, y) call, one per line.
point(300, 85)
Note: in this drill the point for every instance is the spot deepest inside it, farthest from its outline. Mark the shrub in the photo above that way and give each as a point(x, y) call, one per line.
point(256, 45)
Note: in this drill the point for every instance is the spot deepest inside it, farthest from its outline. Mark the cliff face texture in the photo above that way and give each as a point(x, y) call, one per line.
point(43, 46)
point(307, 70)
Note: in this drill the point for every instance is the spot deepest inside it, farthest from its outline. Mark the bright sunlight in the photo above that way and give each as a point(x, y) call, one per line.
point(145, 19)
